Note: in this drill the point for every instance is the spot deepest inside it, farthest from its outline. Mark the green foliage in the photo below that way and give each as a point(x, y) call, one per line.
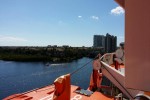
point(51, 54)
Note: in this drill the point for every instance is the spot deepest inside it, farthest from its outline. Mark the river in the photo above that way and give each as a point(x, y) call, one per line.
point(18, 77)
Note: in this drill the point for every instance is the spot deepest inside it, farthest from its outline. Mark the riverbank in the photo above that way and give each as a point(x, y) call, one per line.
point(47, 54)
point(35, 58)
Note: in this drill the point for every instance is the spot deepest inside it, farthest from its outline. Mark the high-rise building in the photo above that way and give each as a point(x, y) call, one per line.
point(98, 41)
point(108, 42)
point(114, 43)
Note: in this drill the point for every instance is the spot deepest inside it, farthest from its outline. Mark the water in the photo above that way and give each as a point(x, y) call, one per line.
point(18, 77)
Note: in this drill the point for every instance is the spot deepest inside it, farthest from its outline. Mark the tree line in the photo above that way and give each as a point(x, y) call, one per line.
point(48, 54)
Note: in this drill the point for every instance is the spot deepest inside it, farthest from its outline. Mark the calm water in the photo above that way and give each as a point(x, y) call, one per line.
point(17, 77)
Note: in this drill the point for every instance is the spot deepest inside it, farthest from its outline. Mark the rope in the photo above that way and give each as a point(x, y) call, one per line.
point(41, 73)
point(80, 68)
point(53, 83)
point(83, 66)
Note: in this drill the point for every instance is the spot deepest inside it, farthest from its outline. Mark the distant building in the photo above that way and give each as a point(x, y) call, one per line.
point(54, 46)
point(99, 41)
point(108, 42)
point(65, 46)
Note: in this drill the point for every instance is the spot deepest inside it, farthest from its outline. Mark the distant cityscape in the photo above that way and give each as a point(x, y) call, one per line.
point(108, 43)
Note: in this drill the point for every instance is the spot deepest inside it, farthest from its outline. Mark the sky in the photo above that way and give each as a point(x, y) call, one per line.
point(59, 22)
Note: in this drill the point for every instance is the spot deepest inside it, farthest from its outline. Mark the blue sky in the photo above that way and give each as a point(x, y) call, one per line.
point(58, 22)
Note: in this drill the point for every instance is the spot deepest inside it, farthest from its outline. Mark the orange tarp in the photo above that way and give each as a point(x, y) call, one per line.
point(62, 88)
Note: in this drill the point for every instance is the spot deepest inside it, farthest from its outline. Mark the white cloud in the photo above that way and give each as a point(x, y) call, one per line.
point(11, 39)
point(79, 16)
point(117, 11)
point(95, 17)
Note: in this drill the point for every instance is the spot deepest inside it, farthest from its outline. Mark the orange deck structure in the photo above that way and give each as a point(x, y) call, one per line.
point(46, 93)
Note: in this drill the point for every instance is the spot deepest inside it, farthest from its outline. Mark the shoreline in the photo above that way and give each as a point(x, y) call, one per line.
point(40, 59)
point(47, 54)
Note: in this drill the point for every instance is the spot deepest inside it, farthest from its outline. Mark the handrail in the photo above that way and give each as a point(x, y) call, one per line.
point(118, 82)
